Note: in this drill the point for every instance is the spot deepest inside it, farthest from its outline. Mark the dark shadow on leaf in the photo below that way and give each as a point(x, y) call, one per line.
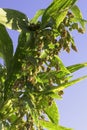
point(17, 19)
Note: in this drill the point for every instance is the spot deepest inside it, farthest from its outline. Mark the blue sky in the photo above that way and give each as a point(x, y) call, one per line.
point(73, 107)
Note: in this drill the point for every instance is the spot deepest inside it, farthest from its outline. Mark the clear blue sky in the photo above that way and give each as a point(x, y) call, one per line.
point(73, 107)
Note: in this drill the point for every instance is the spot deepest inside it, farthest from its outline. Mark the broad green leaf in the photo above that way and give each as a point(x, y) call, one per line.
point(65, 85)
point(57, 8)
point(19, 53)
point(6, 47)
point(78, 16)
point(13, 19)
point(37, 15)
point(16, 62)
point(52, 113)
point(76, 67)
point(52, 126)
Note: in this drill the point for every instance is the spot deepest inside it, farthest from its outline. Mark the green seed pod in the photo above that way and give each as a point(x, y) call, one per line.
point(70, 15)
point(60, 93)
point(64, 33)
point(80, 30)
point(66, 21)
point(68, 49)
point(74, 47)
point(74, 26)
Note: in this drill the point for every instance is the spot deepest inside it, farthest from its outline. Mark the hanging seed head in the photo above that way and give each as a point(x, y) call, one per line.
point(74, 47)
point(64, 33)
point(80, 30)
point(60, 93)
point(70, 15)
point(75, 26)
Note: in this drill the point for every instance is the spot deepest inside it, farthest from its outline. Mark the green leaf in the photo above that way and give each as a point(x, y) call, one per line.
point(37, 15)
point(16, 63)
point(56, 11)
point(12, 118)
point(6, 47)
point(64, 128)
point(45, 76)
point(13, 19)
point(78, 16)
point(55, 95)
point(76, 67)
point(60, 17)
point(0, 125)
point(64, 85)
point(57, 61)
point(52, 126)
point(48, 125)
point(52, 113)
point(19, 53)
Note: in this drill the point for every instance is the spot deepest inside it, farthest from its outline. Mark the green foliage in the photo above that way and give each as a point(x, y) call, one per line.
point(52, 113)
point(51, 126)
point(6, 47)
point(78, 16)
point(34, 76)
point(57, 11)
point(13, 19)
point(37, 15)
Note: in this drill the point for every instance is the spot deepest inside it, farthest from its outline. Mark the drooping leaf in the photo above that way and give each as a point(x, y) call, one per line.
point(52, 113)
point(78, 16)
point(76, 67)
point(6, 46)
point(13, 19)
point(37, 15)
